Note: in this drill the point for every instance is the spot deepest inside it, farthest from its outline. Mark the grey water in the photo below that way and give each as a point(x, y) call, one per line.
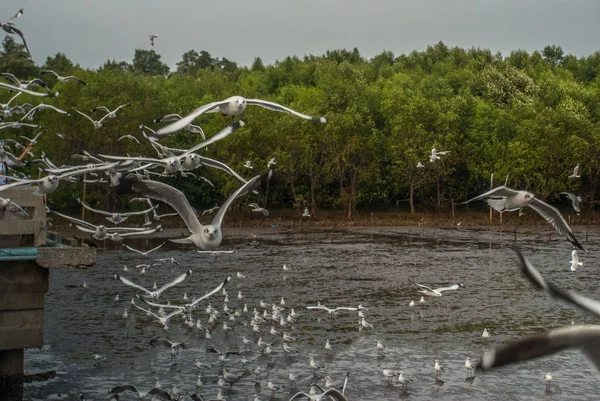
point(370, 267)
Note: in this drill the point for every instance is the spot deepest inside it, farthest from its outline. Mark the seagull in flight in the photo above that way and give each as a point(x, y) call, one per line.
point(194, 129)
point(583, 338)
point(109, 113)
point(116, 218)
point(207, 237)
point(61, 78)
point(152, 37)
point(504, 199)
point(9, 27)
point(41, 107)
point(437, 292)
point(334, 311)
point(575, 173)
point(258, 209)
point(575, 263)
point(97, 124)
point(153, 392)
point(434, 155)
point(233, 106)
point(144, 253)
point(156, 293)
point(575, 201)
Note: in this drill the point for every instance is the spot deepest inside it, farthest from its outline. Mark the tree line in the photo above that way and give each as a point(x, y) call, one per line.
point(529, 116)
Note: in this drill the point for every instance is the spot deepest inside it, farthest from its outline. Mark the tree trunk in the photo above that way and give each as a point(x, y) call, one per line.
point(412, 201)
point(439, 195)
point(293, 188)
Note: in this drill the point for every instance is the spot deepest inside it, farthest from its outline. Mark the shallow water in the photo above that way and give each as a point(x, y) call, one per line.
point(340, 269)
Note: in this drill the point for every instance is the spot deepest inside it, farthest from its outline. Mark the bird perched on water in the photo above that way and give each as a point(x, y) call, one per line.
point(506, 199)
point(468, 366)
point(548, 380)
point(485, 334)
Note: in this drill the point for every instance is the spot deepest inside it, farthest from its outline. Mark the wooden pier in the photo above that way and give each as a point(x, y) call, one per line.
point(25, 258)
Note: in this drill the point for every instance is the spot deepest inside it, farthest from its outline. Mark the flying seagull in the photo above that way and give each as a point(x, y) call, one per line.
point(575, 201)
point(434, 155)
point(9, 27)
point(438, 291)
point(154, 294)
point(109, 113)
point(575, 173)
point(233, 106)
point(152, 37)
point(194, 129)
point(40, 107)
point(583, 338)
point(144, 253)
point(506, 199)
point(63, 79)
point(116, 218)
point(204, 237)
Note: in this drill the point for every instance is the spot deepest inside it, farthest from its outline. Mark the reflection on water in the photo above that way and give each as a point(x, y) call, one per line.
point(336, 270)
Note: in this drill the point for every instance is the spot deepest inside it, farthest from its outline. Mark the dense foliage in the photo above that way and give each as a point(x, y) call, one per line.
point(532, 117)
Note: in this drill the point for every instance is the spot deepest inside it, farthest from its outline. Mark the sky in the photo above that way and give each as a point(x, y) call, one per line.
point(91, 32)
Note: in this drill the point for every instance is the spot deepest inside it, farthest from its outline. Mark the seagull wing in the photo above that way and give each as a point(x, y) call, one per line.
point(139, 212)
point(71, 219)
point(301, 395)
point(450, 287)
point(335, 395)
point(581, 302)
point(10, 77)
point(168, 118)
point(133, 249)
point(172, 196)
point(218, 136)
point(422, 286)
point(12, 29)
point(180, 124)
point(277, 107)
point(539, 345)
point(155, 305)
point(177, 280)
point(221, 166)
point(126, 387)
point(132, 284)
point(149, 312)
point(253, 183)
point(56, 109)
point(217, 289)
point(50, 72)
point(317, 307)
point(91, 209)
point(101, 108)
point(160, 393)
point(85, 229)
point(502, 191)
point(85, 115)
point(17, 15)
point(553, 216)
point(137, 232)
point(17, 89)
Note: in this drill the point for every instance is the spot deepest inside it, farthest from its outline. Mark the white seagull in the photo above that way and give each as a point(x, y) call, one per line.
point(154, 294)
point(258, 209)
point(144, 253)
point(575, 260)
point(232, 106)
point(116, 218)
point(97, 124)
point(152, 37)
point(40, 107)
point(9, 27)
point(204, 237)
point(507, 199)
point(437, 292)
point(575, 172)
point(63, 79)
point(575, 201)
point(434, 155)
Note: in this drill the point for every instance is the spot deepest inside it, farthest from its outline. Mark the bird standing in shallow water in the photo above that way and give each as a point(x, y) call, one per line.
point(548, 380)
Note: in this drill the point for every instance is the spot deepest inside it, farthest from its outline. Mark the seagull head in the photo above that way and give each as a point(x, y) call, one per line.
point(211, 231)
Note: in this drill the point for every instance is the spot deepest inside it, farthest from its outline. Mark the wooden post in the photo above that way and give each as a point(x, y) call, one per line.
point(11, 375)
point(491, 187)
point(83, 198)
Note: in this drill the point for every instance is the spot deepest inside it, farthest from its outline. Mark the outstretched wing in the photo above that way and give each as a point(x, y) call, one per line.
point(177, 280)
point(277, 107)
point(132, 284)
point(450, 287)
point(422, 286)
point(253, 183)
point(217, 289)
point(553, 216)
point(502, 191)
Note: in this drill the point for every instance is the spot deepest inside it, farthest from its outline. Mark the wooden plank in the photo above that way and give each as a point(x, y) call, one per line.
point(21, 337)
point(10, 301)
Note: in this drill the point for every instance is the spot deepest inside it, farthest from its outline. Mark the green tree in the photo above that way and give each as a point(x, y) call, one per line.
point(14, 59)
point(148, 62)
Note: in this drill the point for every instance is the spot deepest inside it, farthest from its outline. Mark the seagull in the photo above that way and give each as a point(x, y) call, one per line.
point(25, 84)
point(575, 260)
point(575, 172)
point(154, 294)
point(5, 202)
point(420, 165)
point(306, 213)
point(194, 129)
point(422, 300)
point(575, 201)
point(411, 303)
point(128, 137)
point(40, 107)
point(175, 347)
point(152, 37)
point(9, 27)
point(30, 92)
point(333, 311)
point(113, 113)
point(438, 369)
point(389, 374)
point(248, 164)
point(160, 319)
point(115, 218)
point(97, 124)
point(506, 199)
point(468, 366)
point(485, 334)
point(154, 392)
point(144, 253)
point(434, 155)
point(548, 380)
point(258, 209)
point(232, 106)
point(211, 210)
point(438, 291)
point(204, 237)
point(63, 79)
point(380, 346)
point(403, 380)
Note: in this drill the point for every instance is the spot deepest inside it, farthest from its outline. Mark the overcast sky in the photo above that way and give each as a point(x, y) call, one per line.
point(91, 32)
